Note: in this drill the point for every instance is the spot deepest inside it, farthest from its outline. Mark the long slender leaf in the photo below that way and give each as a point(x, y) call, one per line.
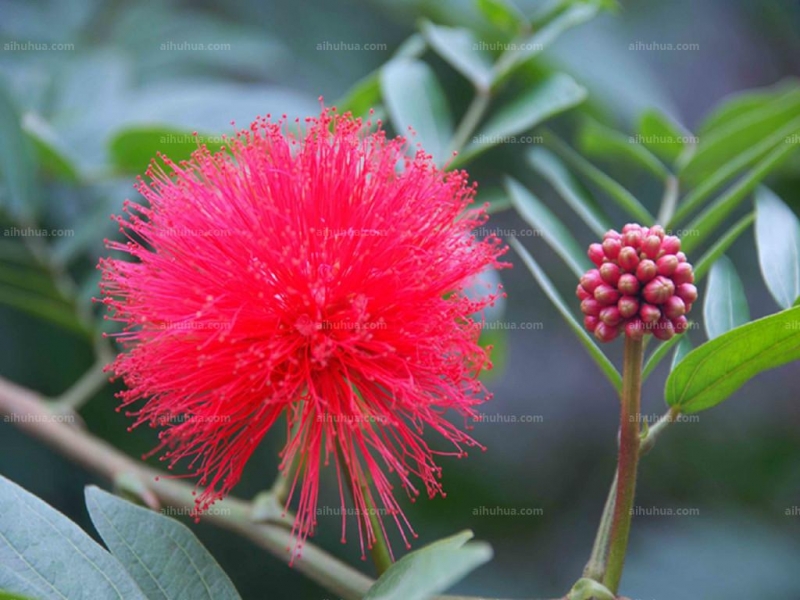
point(45, 555)
point(603, 142)
point(725, 306)
point(460, 48)
point(683, 348)
point(574, 194)
point(778, 241)
point(17, 164)
point(606, 366)
point(712, 372)
point(414, 98)
point(623, 198)
point(708, 221)
point(163, 556)
point(702, 266)
point(422, 574)
point(663, 137)
point(547, 225)
point(658, 355)
point(740, 103)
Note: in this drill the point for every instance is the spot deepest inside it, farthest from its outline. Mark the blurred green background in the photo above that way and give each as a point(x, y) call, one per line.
point(126, 64)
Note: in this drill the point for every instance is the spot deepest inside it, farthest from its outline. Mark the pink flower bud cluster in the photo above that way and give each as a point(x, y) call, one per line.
point(642, 284)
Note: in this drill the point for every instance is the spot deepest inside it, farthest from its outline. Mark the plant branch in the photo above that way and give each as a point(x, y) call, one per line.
point(628, 462)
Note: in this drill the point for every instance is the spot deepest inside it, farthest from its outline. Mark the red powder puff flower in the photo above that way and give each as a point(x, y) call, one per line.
point(322, 276)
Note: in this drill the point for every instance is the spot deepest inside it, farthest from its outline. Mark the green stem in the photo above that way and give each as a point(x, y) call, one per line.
point(473, 116)
point(627, 463)
point(596, 567)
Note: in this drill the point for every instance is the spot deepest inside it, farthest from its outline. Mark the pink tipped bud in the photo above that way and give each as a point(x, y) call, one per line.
point(596, 254)
point(628, 306)
point(631, 227)
point(611, 234)
point(658, 290)
point(628, 284)
point(649, 313)
point(667, 264)
point(674, 307)
point(635, 329)
point(610, 315)
point(590, 322)
point(670, 244)
point(681, 257)
point(687, 292)
point(651, 246)
point(683, 274)
point(605, 333)
point(646, 270)
point(663, 330)
point(680, 324)
point(610, 273)
point(606, 295)
point(590, 280)
point(658, 231)
point(581, 293)
point(590, 306)
point(633, 238)
point(628, 259)
point(611, 247)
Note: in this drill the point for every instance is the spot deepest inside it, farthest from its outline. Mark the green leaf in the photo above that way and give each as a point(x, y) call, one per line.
point(574, 194)
point(721, 246)
point(17, 165)
point(622, 197)
point(45, 555)
point(683, 348)
point(725, 305)
point(663, 137)
point(606, 366)
point(133, 148)
point(712, 372)
point(164, 557)
point(738, 104)
point(362, 97)
point(530, 46)
point(9, 596)
point(547, 98)
point(778, 241)
point(415, 99)
point(462, 50)
point(722, 207)
point(51, 152)
point(503, 14)
point(422, 574)
point(547, 225)
point(698, 195)
point(734, 137)
point(610, 145)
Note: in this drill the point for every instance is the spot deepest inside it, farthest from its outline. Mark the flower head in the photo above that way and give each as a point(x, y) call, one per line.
point(320, 276)
point(642, 284)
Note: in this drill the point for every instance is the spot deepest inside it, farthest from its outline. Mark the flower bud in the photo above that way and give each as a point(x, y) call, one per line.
point(628, 259)
point(683, 274)
point(635, 329)
point(628, 284)
point(680, 324)
point(590, 322)
point(581, 293)
point(610, 273)
point(687, 292)
point(663, 330)
point(633, 239)
point(658, 290)
point(606, 295)
point(590, 280)
point(605, 333)
point(670, 244)
point(628, 306)
point(611, 316)
point(674, 307)
point(649, 313)
point(651, 245)
point(611, 247)
point(667, 264)
point(596, 254)
point(646, 270)
point(590, 306)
